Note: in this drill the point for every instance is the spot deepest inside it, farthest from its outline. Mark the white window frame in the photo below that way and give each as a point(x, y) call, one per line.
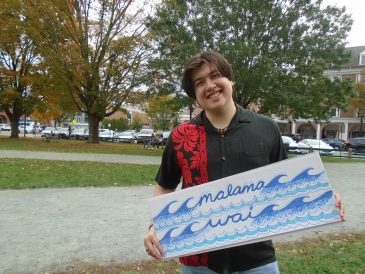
point(335, 111)
point(333, 77)
point(362, 58)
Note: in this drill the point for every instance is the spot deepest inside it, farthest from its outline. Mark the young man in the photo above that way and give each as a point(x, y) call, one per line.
point(221, 141)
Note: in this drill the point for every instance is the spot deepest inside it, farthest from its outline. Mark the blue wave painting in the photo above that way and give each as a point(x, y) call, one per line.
point(297, 207)
point(185, 237)
point(168, 218)
point(298, 223)
point(297, 213)
point(274, 186)
point(235, 210)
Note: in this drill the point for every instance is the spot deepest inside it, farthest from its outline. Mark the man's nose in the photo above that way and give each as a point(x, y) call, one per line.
point(210, 84)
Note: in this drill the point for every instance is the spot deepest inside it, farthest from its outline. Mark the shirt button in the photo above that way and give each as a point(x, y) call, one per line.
point(223, 158)
point(222, 135)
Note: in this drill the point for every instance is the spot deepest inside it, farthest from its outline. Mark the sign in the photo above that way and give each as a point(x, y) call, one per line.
point(286, 197)
point(74, 121)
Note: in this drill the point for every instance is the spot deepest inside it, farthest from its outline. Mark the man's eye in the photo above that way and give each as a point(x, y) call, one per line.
point(197, 84)
point(214, 76)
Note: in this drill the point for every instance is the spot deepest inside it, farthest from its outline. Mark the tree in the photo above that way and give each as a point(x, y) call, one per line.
point(97, 48)
point(120, 124)
point(137, 124)
point(19, 58)
point(359, 100)
point(278, 50)
point(162, 111)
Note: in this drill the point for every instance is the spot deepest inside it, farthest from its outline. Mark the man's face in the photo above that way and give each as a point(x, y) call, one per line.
point(213, 91)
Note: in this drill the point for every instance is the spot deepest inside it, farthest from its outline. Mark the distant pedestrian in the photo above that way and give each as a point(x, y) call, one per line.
point(69, 132)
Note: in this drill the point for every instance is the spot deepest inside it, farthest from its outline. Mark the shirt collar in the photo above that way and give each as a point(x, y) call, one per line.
point(241, 116)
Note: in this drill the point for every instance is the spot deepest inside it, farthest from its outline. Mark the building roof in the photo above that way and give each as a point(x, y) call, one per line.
point(355, 57)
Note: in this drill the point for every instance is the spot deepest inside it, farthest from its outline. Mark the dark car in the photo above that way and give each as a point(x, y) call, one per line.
point(296, 137)
point(357, 143)
point(336, 144)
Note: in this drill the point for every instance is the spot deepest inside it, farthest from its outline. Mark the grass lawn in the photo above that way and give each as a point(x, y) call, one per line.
point(328, 254)
point(75, 146)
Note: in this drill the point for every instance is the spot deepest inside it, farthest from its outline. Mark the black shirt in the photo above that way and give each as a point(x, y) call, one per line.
point(197, 152)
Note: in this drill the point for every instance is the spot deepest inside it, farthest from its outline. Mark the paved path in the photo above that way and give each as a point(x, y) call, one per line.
point(45, 230)
point(93, 157)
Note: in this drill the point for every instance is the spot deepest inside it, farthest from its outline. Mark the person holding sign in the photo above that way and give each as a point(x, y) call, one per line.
point(223, 140)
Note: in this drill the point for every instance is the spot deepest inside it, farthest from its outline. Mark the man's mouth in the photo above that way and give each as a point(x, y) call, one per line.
point(214, 95)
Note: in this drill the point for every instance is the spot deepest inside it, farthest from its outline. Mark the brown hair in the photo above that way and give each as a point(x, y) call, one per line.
point(198, 60)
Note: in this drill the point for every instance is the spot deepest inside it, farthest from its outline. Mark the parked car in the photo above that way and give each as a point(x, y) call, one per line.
point(318, 146)
point(144, 135)
point(290, 144)
point(49, 131)
point(336, 144)
point(79, 134)
point(106, 134)
point(125, 136)
point(296, 137)
point(165, 135)
point(5, 127)
point(357, 143)
point(63, 133)
point(36, 129)
point(135, 133)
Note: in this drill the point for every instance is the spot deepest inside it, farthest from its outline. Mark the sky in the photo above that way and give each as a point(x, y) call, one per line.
point(357, 9)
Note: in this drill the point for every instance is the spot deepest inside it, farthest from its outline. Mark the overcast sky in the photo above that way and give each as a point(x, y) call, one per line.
point(357, 10)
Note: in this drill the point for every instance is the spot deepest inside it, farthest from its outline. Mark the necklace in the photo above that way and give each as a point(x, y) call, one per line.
point(221, 130)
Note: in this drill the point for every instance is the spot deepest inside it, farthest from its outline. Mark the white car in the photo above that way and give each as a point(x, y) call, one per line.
point(79, 134)
point(106, 134)
point(144, 135)
point(5, 127)
point(291, 144)
point(125, 136)
point(49, 131)
point(318, 146)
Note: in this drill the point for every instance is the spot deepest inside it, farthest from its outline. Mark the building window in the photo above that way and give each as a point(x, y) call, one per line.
point(333, 77)
point(335, 112)
point(362, 58)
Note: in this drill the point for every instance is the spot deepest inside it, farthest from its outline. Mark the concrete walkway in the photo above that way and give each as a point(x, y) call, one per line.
point(92, 157)
point(46, 230)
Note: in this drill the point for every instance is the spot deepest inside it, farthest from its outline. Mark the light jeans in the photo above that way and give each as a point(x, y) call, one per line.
point(271, 268)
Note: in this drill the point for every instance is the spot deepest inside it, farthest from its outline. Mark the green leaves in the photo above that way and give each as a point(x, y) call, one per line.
point(278, 50)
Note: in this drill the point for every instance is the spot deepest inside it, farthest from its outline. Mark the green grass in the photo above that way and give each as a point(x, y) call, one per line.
point(332, 254)
point(342, 253)
point(26, 173)
point(75, 146)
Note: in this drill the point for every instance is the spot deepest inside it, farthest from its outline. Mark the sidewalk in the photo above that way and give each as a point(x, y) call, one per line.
point(45, 230)
point(92, 157)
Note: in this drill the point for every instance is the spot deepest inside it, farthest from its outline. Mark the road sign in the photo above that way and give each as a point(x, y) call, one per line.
point(74, 121)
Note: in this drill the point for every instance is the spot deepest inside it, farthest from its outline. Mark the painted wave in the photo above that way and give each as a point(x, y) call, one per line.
point(274, 186)
point(280, 227)
point(167, 218)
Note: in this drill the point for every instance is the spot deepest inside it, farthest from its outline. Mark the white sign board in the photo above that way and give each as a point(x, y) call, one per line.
point(287, 197)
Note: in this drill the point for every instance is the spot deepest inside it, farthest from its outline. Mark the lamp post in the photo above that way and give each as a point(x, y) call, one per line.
point(360, 114)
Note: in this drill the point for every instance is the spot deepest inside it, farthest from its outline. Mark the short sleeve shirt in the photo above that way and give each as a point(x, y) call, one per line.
point(196, 152)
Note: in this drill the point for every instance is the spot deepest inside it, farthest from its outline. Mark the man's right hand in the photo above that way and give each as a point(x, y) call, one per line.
point(152, 245)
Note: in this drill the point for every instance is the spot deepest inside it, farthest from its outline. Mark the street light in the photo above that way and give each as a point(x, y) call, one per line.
point(360, 114)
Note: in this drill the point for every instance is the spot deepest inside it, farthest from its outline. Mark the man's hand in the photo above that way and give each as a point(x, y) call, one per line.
point(340, 205)
point(153, 247)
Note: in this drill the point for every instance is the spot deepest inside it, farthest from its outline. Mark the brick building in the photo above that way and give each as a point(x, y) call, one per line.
point(342, 125)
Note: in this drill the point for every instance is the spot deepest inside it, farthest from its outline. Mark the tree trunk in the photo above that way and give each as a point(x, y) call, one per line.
point(93, 129)
point(14, 122)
